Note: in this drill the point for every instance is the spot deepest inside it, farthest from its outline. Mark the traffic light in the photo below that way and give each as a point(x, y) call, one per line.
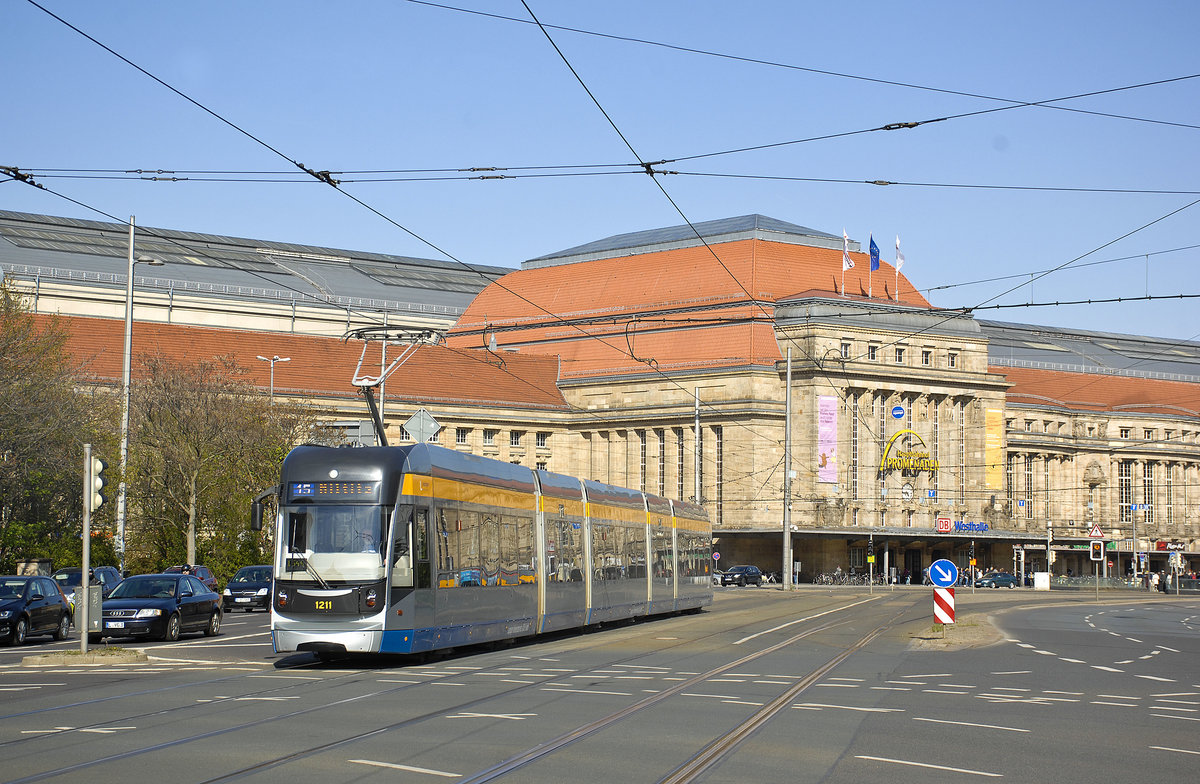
point(96, 482)
point(1097, 550)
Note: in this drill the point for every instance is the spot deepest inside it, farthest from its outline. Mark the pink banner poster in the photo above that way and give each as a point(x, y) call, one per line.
point(827, 421)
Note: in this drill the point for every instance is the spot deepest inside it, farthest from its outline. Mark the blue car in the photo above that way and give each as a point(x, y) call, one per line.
point(998, 580)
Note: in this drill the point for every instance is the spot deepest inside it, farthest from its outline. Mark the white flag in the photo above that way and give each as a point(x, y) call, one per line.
point(846, 262)
point(899, 255)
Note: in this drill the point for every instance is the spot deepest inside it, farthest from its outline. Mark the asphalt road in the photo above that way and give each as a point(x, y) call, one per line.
point(813, 686)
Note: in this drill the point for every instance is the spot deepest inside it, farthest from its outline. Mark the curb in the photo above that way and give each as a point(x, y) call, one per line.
point(99, 657)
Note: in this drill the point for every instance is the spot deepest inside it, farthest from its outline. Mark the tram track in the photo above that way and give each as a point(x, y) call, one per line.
point(286, 759)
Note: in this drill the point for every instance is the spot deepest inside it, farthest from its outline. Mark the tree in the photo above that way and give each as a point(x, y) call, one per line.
point(203, 443)
point(48, 410)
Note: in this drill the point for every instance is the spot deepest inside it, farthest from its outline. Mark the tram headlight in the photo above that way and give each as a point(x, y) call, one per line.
point(282, 598)
point(371, 596)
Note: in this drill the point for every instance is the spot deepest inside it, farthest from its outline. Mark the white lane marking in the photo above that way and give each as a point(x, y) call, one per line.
point(1165, 648)
point(1009, 688)
point(1046, 653)
point(775, 683)
point(263, 699)
point(932, 767)
point(944, 691)
point(820, 705)
point(930, 675)
point(1071, 693)
point(854, 680)
point(409, 768)
point(740, 702)
point(839, 685)
point(509, 716)
point(971, 724)
point(291, 677)
point(955, 686)
point(1014, 672)
point(1026, 645)
point(1181, 751)
point(890, 688)
point(802, 620)
point(513, 680)
point(1114, 704)
point(395, 680)
point(1127, 661)
point(715, 696)
point(44, 732)
point(587, 691)
point(35, 685)
point(1132, 639)
point(1181, 702)
point(1172, 707)
point(1155, 678)
point(1106, 669)
point(1071, 661)
point(1182, 718)
point(106, 730)
point(1118, 697)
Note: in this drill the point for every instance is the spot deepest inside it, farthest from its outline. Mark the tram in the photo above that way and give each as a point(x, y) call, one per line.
point(406, 549)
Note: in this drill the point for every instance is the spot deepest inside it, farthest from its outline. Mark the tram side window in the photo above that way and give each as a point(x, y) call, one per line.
point(526, 560)
point(566, 558)
point(463, 550)
point(421, 546)
point(616, 553)
point(663, 567)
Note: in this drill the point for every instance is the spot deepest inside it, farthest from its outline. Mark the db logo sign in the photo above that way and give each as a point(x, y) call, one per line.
point(943, 525)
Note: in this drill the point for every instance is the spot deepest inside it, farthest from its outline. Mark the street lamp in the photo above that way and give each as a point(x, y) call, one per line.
point(125, 368)
point(273, 360)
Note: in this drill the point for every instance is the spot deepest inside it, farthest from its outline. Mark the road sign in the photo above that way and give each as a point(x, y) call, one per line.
point(943, 605)
point(943, 525)
point(1095, 532)
point(897, 412)
point(421, 426)
point(943, 573)
point(716, 556)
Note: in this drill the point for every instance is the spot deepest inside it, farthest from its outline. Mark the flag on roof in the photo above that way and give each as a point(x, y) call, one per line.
point(899, 255)
point(874, 254)
point(846, 262)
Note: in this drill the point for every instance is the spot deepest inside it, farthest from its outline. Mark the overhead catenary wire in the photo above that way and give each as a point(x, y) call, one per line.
point(327, 176)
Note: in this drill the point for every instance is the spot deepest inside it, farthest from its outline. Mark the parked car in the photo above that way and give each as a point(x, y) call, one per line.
point(742, 575)
point(249, 588)
point(69, 580)
point(161, 606)
point(998, 580)
point(31, 606)
point(204, 574)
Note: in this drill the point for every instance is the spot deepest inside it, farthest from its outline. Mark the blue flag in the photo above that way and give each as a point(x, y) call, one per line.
point(874, 254)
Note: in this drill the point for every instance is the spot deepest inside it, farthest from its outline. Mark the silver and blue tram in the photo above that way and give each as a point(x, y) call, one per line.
point(415, 548)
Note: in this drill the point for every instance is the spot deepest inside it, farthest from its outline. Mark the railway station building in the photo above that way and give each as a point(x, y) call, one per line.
point(749, 371)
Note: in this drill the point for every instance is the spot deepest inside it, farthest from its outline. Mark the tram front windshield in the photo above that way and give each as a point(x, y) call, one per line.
point(336, 542)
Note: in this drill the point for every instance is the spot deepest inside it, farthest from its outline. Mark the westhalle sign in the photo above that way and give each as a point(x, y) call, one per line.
point(906, 458)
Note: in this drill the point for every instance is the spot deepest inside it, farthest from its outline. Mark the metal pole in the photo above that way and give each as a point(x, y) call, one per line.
point(81, 597)
point(698, 456)
point(126, 360)
point(787, 475)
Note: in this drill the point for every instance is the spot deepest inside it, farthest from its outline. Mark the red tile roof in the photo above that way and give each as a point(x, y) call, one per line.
point(1093, 392)
point(680, 294)
point(324, 367)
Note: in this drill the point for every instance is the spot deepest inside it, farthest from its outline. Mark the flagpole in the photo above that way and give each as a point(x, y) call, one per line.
point(899, 264)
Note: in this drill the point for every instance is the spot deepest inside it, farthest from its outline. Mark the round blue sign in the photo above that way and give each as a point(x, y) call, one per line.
point(897, 412)
point(943, 573)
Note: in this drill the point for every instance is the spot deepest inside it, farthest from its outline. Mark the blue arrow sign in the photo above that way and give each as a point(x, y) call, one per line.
point(943, 573)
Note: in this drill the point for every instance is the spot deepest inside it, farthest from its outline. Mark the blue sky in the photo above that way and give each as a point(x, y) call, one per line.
point(990, 201)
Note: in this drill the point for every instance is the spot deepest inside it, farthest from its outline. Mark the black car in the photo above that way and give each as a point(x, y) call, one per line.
point(742, 575)
point(249, 588)
point(69, 579)
point(161, 606)
point(202, 572)
point(32, 605)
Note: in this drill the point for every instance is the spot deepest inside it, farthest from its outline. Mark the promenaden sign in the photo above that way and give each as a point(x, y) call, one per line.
point(907, 459)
